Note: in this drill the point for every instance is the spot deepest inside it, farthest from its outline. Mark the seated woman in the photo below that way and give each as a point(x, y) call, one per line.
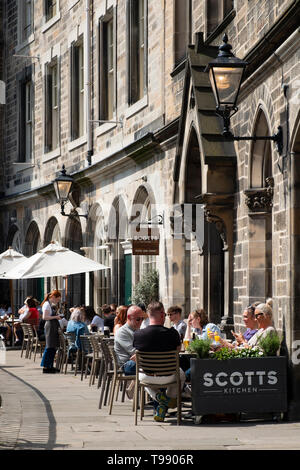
point(250, 323)
point(31, 314)
point(76, 325)
point(263, 315)
point(198, 323)
point(121, 318)
point(97, 323)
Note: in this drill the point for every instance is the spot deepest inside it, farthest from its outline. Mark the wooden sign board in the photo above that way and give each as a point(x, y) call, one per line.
point(145, 246)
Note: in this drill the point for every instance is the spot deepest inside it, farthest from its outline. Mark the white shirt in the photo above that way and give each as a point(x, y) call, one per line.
point(261, 333)
point(98, 322)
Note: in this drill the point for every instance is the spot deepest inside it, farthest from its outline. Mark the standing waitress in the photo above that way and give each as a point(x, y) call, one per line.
point(49, 306)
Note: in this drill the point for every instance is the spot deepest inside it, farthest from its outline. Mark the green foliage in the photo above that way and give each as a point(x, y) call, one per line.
point(146, 290)
point(226, 353)
point(200, 347)
point(270, 343)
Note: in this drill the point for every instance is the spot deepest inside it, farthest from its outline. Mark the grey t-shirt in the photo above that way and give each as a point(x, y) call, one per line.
point(261, 333)
point(124, 343)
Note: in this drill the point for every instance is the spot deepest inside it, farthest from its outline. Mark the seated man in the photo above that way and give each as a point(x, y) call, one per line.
point(157, 338)
point(109, 317)
point(123, 344)
point(177, 322)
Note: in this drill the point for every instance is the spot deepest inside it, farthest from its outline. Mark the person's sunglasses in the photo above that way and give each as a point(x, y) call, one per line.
point(258, 314)
point(139, 319)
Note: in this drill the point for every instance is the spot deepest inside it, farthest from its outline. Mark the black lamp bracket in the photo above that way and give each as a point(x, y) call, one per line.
point(73, 213)
point(227, 114)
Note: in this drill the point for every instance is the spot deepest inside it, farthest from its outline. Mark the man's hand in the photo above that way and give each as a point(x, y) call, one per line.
point(133, 358)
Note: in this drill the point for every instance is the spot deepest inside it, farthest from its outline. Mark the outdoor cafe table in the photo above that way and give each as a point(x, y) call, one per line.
point(11, 322)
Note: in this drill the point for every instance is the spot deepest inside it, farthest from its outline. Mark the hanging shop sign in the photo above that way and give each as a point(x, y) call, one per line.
point(145, 245)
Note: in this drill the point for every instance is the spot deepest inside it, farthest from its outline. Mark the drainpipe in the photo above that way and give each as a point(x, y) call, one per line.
point(88, 85)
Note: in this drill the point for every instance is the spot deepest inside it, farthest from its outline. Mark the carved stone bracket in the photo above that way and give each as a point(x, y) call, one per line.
point(220, 226)
point(260, 200)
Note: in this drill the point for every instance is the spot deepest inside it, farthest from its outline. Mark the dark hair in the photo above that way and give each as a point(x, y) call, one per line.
point(89, 312)
point(31, 302)
point(175, 309)
point(106, 309)
point(142, 306)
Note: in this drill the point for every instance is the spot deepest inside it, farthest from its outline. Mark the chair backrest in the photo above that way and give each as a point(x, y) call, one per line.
point(71, 338)
point(85, 344)
point(104, 343)
point(24, 327)
point(95, 344)
point(30, 331)
point(113, 355)
point(158, 363)
point(62, 339)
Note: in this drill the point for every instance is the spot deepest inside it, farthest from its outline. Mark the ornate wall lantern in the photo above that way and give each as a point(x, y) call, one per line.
point(226, 74)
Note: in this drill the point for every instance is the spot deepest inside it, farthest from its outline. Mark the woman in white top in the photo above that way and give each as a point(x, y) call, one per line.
point(49, 306)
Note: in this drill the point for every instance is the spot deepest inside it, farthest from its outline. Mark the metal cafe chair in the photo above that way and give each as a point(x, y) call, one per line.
point(118, 378)
point(97, 357)
point(156, 364)
point(26, 340)
point(86, 354)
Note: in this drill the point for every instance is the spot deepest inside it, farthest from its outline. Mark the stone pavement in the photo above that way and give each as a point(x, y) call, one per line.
point(61, 412)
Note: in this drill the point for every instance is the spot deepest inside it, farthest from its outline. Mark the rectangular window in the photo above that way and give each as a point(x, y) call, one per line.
point(27, 15)
point(183, 26)
point(217, 10)
point(50, 9)
point(77, 90)
point(137, 49)
point(25, 105)
point(107, 68)
point(51, 107)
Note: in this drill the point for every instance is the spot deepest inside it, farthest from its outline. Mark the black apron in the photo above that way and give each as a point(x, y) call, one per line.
point(51, 331)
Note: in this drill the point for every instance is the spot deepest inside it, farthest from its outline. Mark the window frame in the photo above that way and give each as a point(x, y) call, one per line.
point(223, 12)
point(107, 110)
point(135, 90)
point(50, 109)
point(25, 125)
point(183, 35)
point(77, 80)
point(23, 36)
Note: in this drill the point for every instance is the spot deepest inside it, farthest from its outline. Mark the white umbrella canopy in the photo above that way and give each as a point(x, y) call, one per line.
point(10, 259)
point(54, 260)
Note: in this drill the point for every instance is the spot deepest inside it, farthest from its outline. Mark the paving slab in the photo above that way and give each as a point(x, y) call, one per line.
point(60, 411)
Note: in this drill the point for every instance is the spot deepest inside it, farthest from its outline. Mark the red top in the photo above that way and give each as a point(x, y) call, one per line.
point(34, 316)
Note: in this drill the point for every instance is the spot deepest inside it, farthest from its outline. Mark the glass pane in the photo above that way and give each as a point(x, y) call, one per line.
point(228, 82)
point(110, 70)
point(141, 47)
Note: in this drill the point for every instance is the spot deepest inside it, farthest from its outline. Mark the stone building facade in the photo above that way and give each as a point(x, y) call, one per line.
point(139, 65)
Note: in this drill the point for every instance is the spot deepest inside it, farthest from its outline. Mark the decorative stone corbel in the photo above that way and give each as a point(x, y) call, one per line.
point(260, 200)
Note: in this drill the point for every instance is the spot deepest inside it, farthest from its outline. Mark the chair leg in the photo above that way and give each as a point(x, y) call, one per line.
point(92, 372)
point(108, 382)
point(136, 401)
point(142, 401)
point(100, 376)
point(103, 385)
point(112, 393)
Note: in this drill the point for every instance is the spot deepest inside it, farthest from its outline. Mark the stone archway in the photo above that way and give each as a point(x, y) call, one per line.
point(259, 199)
point(76, 282)
point(117, 233)
point(32, 245)
point(292, 321)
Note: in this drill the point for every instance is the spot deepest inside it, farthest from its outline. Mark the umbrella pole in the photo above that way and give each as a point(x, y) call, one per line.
point(56, 283)
point(11, 294)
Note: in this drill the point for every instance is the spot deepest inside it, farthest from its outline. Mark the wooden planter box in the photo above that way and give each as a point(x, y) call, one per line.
point(239, 385)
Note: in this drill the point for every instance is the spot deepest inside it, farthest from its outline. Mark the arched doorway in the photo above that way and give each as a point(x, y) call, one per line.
point(260, 201)
point(52, 233)
point(118, 233)
point(32, 245)
point(204, 264)
point(76, 282)
point(292, 321)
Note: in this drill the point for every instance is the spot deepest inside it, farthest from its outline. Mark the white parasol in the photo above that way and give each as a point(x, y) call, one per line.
point(54, 260)
point(10, 259)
